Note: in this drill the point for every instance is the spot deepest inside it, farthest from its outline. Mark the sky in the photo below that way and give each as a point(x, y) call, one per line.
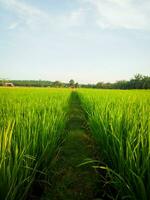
point(85, 40)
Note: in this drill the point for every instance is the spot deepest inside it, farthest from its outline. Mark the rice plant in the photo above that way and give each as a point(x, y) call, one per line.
point(32, 123)
point(120, 124)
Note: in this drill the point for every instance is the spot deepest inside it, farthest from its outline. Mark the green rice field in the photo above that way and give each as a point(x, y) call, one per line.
point(39, 147)
point(120, 125)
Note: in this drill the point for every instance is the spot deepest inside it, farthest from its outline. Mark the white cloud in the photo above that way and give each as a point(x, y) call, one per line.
point(22, 8)
point(25, 13)
point(73, 18)
point(76, 16)
point(127, 14)
point(106, 14)
point(13, 25)
point(30, 15)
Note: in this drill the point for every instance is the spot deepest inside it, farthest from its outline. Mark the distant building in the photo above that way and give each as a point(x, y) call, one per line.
point(8, 84)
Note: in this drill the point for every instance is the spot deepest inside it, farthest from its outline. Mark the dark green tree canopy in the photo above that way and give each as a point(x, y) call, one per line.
point(71, 83)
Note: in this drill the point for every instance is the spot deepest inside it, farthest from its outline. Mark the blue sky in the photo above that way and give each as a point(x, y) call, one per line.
point(87, 40)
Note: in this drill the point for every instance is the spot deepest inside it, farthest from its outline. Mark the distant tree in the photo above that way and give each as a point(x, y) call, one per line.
point(136, 82)
point(107, 85)
point(100, 85)
point(138, 77)
point(1, 82)
point(87, 85)
point(146, 82)
point(76, 85)
point(120, 84)
point(57, 84)
point(71, 83)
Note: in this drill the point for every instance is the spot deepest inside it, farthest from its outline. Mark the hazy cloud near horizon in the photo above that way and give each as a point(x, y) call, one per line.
point(88, 40)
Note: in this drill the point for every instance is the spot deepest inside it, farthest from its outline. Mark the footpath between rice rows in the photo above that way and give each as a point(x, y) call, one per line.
point(71, 181)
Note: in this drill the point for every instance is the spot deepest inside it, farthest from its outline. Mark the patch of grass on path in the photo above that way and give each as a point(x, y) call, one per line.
point(72, 182)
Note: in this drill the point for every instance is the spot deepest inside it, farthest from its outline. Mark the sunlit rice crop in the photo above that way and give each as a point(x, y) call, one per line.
point(32, 123)
point(120, 124)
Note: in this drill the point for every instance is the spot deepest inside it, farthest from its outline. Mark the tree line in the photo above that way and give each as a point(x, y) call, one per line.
point(39, 83)
point(137, 82)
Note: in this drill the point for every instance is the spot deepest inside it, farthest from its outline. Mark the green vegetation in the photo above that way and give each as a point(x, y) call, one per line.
point(31, 131)
point(137, 82)
point(120, 125)
point(39, 83)
point(74, 144)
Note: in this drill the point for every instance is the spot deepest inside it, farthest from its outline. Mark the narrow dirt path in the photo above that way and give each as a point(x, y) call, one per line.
point(72, 182)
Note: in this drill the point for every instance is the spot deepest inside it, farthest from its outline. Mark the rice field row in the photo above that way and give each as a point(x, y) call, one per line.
point(32, 123)
point(120, 125)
